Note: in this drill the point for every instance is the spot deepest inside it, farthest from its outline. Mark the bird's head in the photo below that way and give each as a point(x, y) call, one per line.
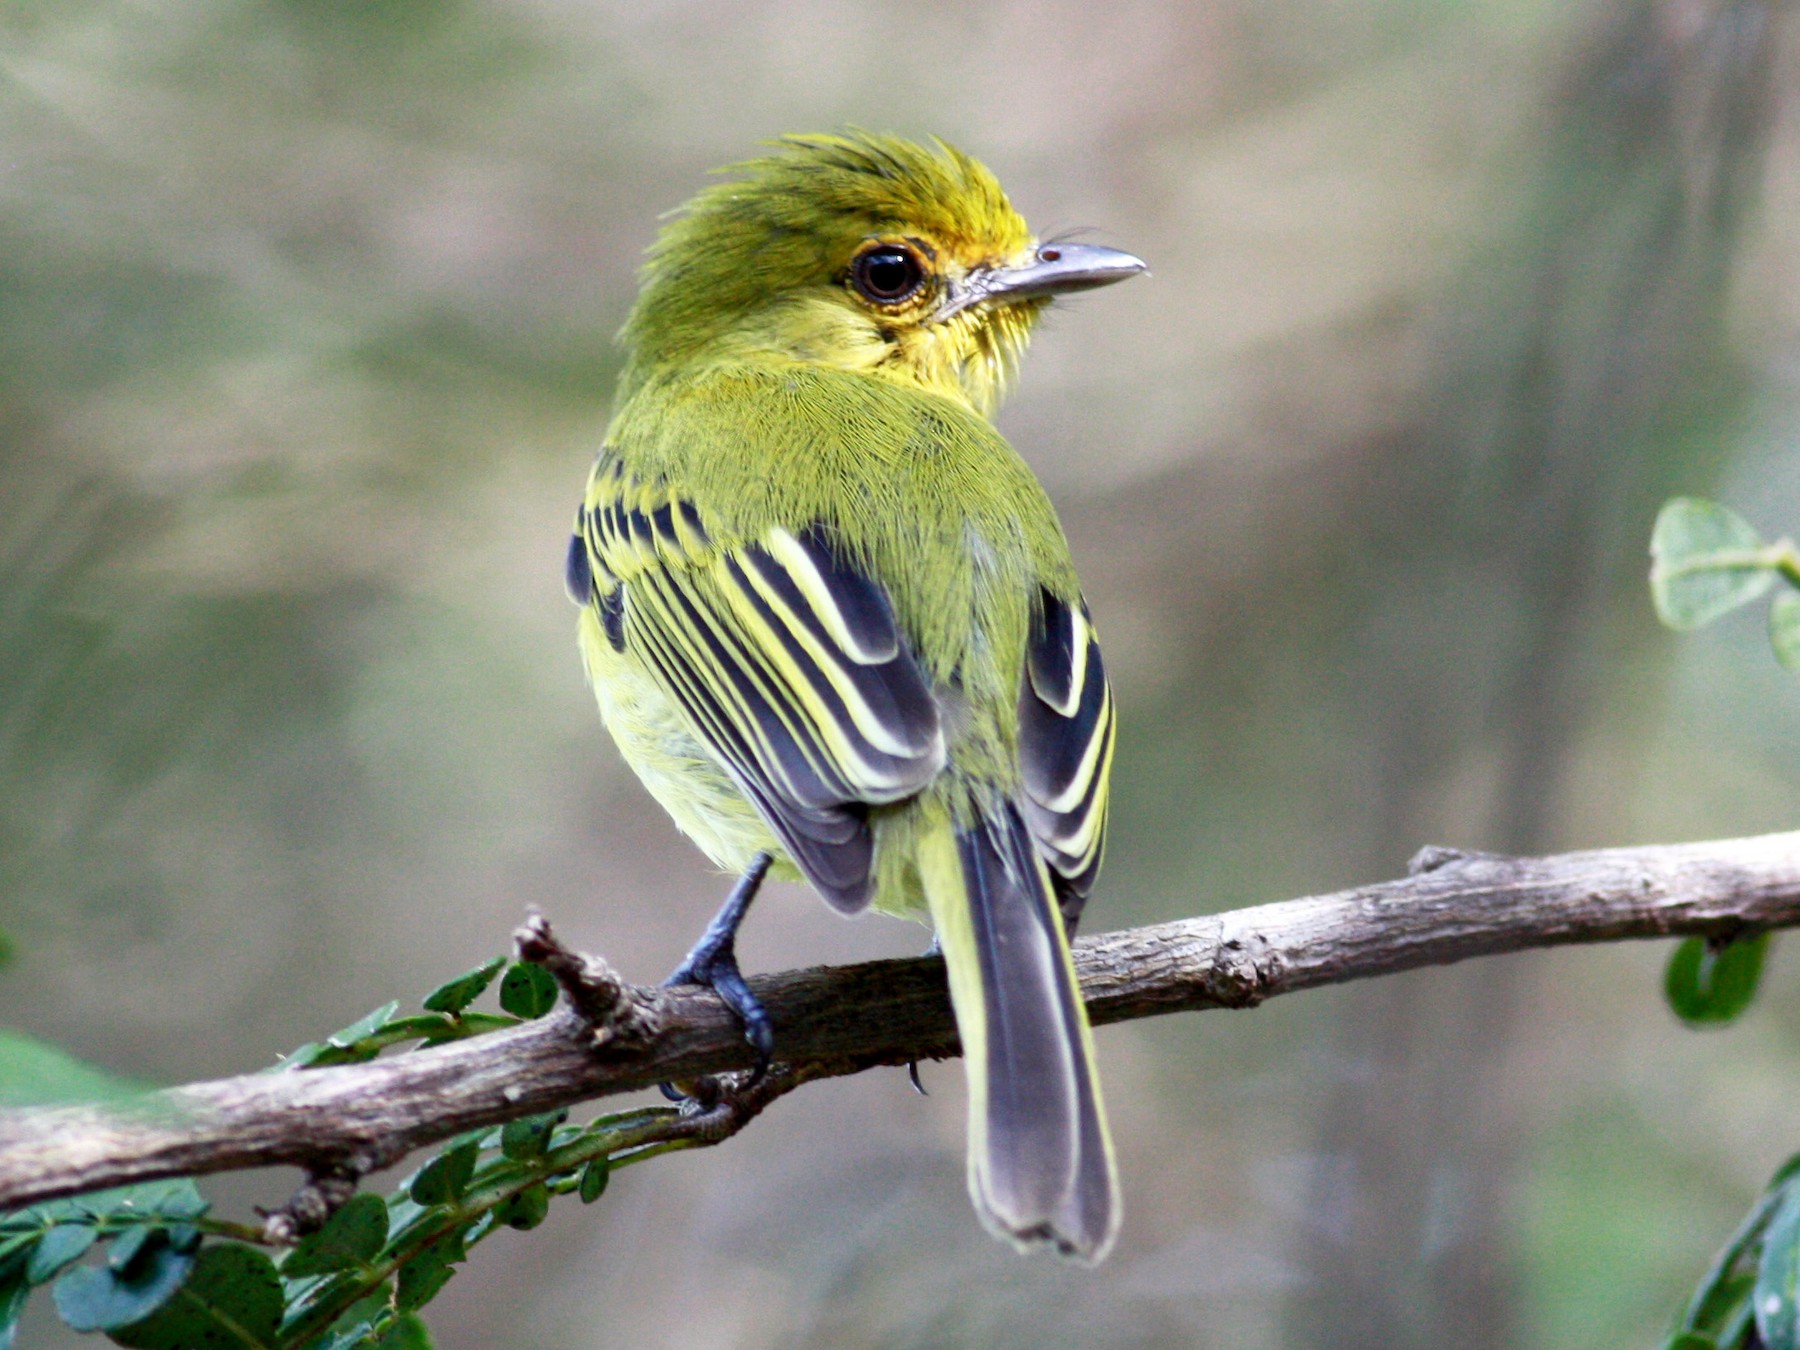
point(860, 252)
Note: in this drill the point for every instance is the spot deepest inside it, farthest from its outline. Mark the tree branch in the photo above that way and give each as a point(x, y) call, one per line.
point(844, 1019)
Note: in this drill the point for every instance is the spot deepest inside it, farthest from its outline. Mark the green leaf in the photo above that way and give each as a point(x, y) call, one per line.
point(303, 1057)
point(355, 1044)
point(453, 996)
point(527, 1209)
point(350, 1238)
point(59, 1248)
point(15, 1251)
point(12, 1307)
point(1720, 1307)
point(232, 1300)
point(364, 1026)
point(1776, 1299)
point(481, 1228)
point(183, 1237)
point(359, 1335)
point(96, 1298)
point(123, 1251)
point(421, 1025)
point(1724, 1305)
point(446, 1176)
point(39, 1217)
point(426, 1273)
point(178, 1201)
point(36, 1073)
point(355, 1326)
point(1708, 985)
point(594, 1178)
point(472, 1022)
point(324, 1056)
point(1702, 562)
point(529, 1137)
point(1690, 1340)
point(527, 991)
point(408, 1333)
point(1784, 628)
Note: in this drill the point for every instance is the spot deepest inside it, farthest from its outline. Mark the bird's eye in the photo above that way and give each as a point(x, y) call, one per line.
point(887, 274)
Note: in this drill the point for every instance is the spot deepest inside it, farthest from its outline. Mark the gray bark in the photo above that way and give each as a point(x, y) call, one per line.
point(844, 1019)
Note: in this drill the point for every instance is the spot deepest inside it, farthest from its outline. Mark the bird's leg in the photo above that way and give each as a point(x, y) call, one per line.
point(713, 963)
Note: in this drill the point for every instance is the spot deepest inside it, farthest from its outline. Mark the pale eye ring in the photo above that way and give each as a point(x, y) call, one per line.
point(887, 274)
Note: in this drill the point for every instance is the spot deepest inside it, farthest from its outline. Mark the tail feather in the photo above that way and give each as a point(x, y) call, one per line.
point(1040, 1160)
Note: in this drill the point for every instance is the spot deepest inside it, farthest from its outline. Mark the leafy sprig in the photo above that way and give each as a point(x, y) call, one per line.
point(1706, 560)
point(149, 1266)
point(1750, 1298)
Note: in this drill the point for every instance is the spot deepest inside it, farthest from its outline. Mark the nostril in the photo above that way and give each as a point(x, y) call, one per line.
point(1049, 254)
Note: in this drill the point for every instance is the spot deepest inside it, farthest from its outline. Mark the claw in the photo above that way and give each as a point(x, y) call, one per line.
point(912, 1065)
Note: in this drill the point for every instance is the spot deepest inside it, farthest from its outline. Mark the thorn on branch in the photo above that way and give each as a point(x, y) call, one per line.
point(614, 1009)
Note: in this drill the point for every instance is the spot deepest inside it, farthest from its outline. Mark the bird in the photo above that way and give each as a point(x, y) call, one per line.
point(832, 621)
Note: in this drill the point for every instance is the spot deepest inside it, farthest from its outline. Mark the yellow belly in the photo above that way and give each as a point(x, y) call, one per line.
point(679, 771)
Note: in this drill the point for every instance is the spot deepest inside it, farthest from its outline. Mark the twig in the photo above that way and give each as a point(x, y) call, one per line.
point(844, 1019)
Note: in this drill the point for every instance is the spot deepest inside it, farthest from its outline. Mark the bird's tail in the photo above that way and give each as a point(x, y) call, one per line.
point(1040, 1158)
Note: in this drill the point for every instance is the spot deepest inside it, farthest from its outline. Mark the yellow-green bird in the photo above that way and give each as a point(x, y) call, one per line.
point(832, 621)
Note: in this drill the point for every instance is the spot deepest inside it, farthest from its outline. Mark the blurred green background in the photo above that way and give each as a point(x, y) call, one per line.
point(305, 343)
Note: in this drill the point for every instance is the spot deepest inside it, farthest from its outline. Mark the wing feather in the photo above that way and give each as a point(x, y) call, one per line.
point(784, 659)
point(1066, 735)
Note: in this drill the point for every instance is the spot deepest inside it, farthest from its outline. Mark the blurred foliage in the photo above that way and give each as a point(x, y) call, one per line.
point(35, 1073)
point(1750, 1299)
point(1709, 983)
point(1562, 402)
point(1707, 561)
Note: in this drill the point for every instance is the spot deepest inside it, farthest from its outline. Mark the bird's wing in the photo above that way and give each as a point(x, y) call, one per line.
point(1066, 732)
point(785, 659)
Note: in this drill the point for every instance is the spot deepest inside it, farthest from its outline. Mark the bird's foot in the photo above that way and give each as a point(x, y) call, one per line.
point(713, 964)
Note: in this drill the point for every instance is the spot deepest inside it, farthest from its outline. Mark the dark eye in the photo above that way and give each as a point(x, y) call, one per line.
point(887, 274)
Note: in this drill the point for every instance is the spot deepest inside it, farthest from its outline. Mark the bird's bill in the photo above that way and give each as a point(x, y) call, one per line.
point(1052, 269)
